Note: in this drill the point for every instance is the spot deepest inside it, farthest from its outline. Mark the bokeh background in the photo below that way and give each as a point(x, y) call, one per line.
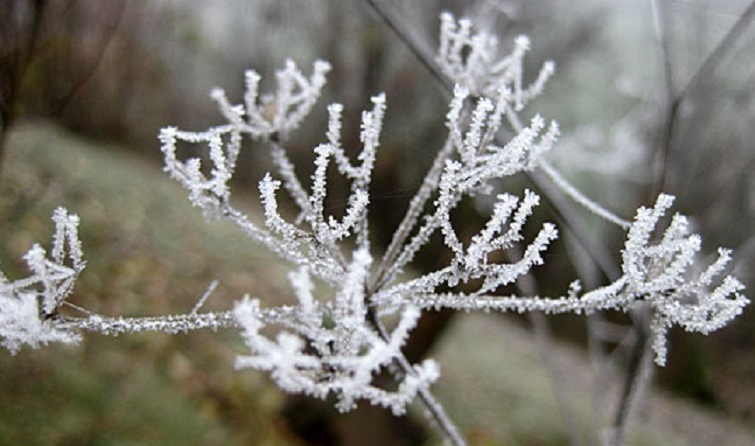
point(86, 85)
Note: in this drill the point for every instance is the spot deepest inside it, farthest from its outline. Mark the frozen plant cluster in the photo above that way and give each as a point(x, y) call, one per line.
point(336, 339)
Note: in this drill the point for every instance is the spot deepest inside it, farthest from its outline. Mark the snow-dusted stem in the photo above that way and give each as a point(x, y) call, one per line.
point(174, 323)
point(636, 379)
point(434, 410)
point(286, 171)
point(566, 187)
point(580, 198)
point(181, 323)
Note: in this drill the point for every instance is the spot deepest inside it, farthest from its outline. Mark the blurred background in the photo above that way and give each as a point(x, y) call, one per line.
point(650, 96)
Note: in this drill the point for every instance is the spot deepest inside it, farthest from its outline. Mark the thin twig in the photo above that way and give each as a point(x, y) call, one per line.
point(181, 323)
point(589, 275)
point(716, 56)
point(544, 339)
point(210, 289)
point(90, 70)
point(580, 198)
point(661, 17)
point(419, 53)
point(636, 377)
point(435, 411)
point(675, 99)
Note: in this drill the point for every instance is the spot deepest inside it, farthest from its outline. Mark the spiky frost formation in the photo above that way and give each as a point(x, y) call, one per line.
point(29, 307)
point(471, 60)
point(319, 243)
point(338, 346)
point(330, 348)
point(663, 274)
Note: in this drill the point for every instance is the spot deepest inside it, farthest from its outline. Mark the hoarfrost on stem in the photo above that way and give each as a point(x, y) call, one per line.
point(663, 275)
point(471, 59)
point(331, 347)
point(29, 307)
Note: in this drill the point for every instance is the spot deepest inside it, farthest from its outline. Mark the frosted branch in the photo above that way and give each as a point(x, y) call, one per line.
point(658, 274)
point(471, 59)
point(661, 274)
point(340, 358)
point(581, 198)
point(279, 113)
point(472, 262)
point(29, 307)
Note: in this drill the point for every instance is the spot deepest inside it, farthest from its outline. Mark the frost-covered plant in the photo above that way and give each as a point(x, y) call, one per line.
point(29, 307)
point(470, 59)
point(334, 339)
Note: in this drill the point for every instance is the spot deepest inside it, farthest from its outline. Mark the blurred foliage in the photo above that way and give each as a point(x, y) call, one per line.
point(88, 64)
point(511, 397)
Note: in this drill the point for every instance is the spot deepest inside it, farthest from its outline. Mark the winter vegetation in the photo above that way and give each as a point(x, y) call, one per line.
point(356, 303)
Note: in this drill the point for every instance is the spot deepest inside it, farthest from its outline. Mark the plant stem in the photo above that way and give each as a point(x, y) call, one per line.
point(434, 410)
point(636, 377)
